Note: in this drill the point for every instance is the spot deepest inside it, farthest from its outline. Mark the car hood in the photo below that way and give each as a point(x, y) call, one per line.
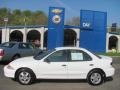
point(23, 62)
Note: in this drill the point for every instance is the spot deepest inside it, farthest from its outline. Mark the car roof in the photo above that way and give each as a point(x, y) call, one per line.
point(62, 48)
point(17, 42)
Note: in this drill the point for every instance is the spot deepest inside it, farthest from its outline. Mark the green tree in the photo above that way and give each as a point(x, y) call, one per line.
point(40, 18)
point(18, 17)
point(4, 12)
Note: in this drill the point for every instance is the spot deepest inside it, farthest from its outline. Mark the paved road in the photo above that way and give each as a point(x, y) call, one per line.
point(8, 84)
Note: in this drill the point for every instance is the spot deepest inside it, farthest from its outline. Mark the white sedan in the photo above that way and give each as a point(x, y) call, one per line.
point(61, 63)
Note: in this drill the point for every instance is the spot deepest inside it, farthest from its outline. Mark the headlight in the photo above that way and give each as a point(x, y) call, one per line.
point(10, 67)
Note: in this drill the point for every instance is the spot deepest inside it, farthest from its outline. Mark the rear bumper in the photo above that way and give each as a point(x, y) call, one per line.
point(110, 72)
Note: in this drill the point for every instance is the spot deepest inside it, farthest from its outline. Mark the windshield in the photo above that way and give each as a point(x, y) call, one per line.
point(42, 54)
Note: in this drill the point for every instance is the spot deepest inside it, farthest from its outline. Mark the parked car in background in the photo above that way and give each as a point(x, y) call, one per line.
point(13, 50)
point(61, 63)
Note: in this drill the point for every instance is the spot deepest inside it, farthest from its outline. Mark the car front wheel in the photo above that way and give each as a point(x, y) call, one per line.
point(95, 78)
point(25, 77)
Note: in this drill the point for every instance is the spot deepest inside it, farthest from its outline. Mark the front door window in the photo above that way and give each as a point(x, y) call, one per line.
point(58, 56)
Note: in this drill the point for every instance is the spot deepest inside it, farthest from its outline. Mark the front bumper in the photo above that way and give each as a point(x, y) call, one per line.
point(9, 72)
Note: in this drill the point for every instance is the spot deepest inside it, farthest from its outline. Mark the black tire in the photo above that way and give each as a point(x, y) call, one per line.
point(95, 77)
point(25, 76)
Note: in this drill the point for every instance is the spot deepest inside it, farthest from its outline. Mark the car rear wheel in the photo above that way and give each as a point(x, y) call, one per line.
point(95, 77)
point(25, 77)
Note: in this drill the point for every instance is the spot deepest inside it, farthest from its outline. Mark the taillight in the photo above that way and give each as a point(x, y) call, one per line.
point(1, 52)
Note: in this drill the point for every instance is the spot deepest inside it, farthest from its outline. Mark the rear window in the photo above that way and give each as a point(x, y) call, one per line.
point(9, 45)
point(26, 46)
point(97, 55)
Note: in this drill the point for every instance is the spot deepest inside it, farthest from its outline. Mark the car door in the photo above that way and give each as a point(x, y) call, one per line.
point(26, 49)
point(79, 64)
point(54, 66)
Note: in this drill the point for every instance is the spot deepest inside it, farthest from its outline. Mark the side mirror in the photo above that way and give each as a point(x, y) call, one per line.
point(47, 60)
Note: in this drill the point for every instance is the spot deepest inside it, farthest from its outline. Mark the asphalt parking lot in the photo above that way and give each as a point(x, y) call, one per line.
point(111, 84)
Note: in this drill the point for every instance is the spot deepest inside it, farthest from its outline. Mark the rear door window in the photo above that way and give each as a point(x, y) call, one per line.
point(25, 46)
point(79, 55)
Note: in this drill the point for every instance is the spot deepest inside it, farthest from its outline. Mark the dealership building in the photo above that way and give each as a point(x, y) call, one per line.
point(32, 33)
point(71, 35)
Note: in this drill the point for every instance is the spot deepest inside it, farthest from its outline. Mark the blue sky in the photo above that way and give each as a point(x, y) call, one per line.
point(72, 7)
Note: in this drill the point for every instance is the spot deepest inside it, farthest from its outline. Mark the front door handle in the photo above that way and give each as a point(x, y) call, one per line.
point(91, 64)
point(64, 65)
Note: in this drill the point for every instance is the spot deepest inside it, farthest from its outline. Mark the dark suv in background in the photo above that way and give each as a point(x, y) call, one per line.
point(12, 50)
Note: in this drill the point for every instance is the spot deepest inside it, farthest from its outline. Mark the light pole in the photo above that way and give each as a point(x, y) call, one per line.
point(6, 21)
